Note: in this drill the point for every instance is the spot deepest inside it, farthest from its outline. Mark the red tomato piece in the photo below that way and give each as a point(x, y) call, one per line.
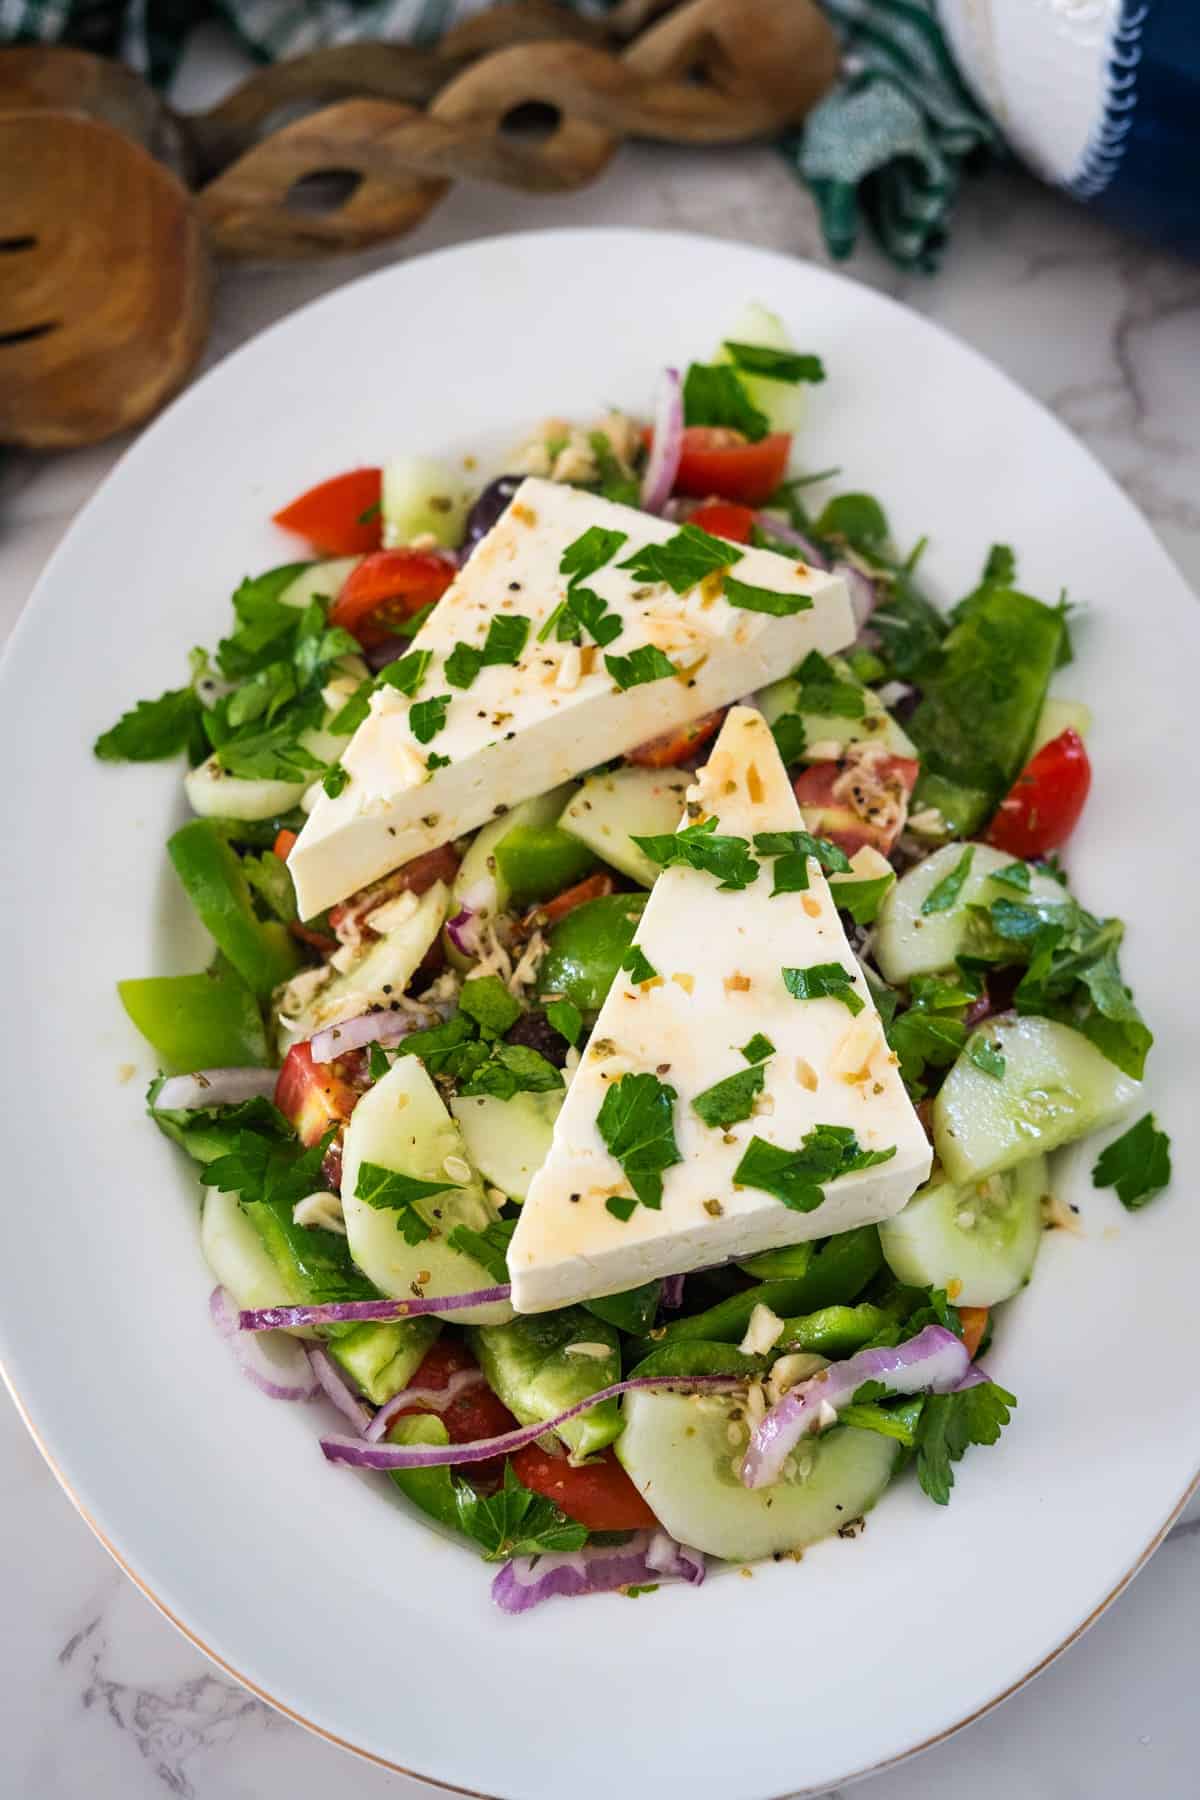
point(599, 1494)
point(725, 519)
point(475, 1413)
point(414, 878)
point(316, 940)
point(386, 588)
point(861, 799)
point(285, 843)
point(592, 887)
point(331, 515)
point(677, 745)
point(1043, 806)
point(312, 1095)
point(721, 462)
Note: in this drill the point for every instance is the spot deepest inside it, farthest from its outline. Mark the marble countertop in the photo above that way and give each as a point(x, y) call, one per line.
point(98, 1694)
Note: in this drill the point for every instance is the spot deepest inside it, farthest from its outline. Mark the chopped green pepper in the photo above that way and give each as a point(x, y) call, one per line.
point(207, 1021)
point(586, 947)
point(262, 951)
point(537, 861)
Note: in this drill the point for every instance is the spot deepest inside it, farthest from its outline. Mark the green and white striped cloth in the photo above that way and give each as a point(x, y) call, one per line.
point(886, 146)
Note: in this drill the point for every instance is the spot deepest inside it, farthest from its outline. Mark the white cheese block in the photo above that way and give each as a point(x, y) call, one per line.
point(517, 731)
point(719, 957)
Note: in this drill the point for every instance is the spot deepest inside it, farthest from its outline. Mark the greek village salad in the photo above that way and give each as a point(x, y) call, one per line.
point(646, 994)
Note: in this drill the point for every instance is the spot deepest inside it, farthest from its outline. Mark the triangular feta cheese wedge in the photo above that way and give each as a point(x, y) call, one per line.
point(719, 995)
point(507, 706)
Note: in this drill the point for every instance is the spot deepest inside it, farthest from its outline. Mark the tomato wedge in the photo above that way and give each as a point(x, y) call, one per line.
point(725, 519)
point(598, 1494)
point(1043, 806)
point(549, 912)
point(312, 1095)
point(475, 1413)
point(331, 515)
point(386, 588)
point(675, 746)
point(416, 877)
point(721, 462)
point(861, 799)
point(974, 1323)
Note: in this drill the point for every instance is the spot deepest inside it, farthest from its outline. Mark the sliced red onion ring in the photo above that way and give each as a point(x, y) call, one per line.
point(975, 1376)
point(362, 1455)
point(783, 533)
point(463, 931)
point(667, 445)
point(381, 655)
point(647, 1558)
point(279, 1369)
point(215, 1087)
point(358, 1312)
point(671, 1294)
point(934, 1359)
point(437, 1399)
point(380, 1027)
point(336, 1388)
point(864, 595)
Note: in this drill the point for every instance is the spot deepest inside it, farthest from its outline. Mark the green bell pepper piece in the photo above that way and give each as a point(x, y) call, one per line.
point(633, 1311)
point(530, 1364)
point(430, 1489)
point(262, 951)
point(585, 949)
point(383, 1358)
point(207, 1021)
point(693, 1357)
point(833, 1330)
point(536, 861)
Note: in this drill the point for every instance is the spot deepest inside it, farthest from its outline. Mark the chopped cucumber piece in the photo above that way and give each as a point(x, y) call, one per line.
point(378, 977)
point(422, 496)
point(401, 1124)
point(679, 1452)
point(320, 581)
point(781, 401)
point(507, 1140)
point(382, 1359)
point(1056, 1086)
point(1058, 716)
point(541, 1366)
point(237, 1256)
point(910, 942)
point(979, 1242)
point(823, 731)
point(609, 811)
point(215, 794)
point(480, 882)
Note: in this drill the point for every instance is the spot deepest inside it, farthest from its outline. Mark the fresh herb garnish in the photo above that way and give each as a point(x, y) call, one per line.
point(730, 1101)
point(597, 546)
point(263, 1164)
point(407, 672)
point(463, 665)
point(987, 1056)
point(791, 737)
point(512, 1069)
point(683, 560)
point(514, 1522)
point(594, 615)
point(713, 395)
point(390, 1191)
point(485, 999)
point(378, 1062)
point(775, 365)
point(435, 761)
point(862, 899)
point(506, 638)
point(824, 693)
point(636, 1123)
point(796, 1176)
point(427, 717)
point(335, 780)
point(944, 894)
point(764, 600)
point(857, 519)
point(700, 846)
point(489, 1247)
point(1014, 875)
point(1137, 1164)
point(824, 981)
point(949, 1424)
point(758, 1049)
point(350, 716)
point(646, 663)
point(154, 728)
point(269, 877)
point(615, 482)
point(637, 966)
point(566, 1019)
point(621, 1207)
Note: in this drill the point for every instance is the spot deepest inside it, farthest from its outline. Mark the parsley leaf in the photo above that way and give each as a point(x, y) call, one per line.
point(592, 613)
point(351, 715)
point(427, 717)
point(485, 999)
point(463, 665)
point(828, 981)
point(636, 1123)
point(378, 1061)
point(713, 395)
point(274, 754)
point(730, 1101)
point(265, 627)
point(512, 1069)
point(434, 761)
point(153, 728)
point(621, 1207)
point(922, 1039)
point(683, 560)
point(451, 1051)
point(1014, 875)
point(1137, 1164)
point(700, 846)
point(646, 663)
point(597, 546)
point(389, 1191)
point(506, 638)
point(791, 736)
point(987, 1056)
point(775, 365)
point(335, 780)
point(615, 483)
point(489, 1247)
point(862, 899)
point(795, 1176)
point(637, 966)
point(857, 519)
point(824, 693)
point(566, 1019)
point(407, 672)
point(259, 1166)
point(514, 1522)
point(944, 894)
point(764, 600)
point(802, 843)
point(949, 1424)
point(758, 1049)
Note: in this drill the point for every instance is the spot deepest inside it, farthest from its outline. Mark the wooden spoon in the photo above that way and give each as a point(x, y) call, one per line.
point(104, 281)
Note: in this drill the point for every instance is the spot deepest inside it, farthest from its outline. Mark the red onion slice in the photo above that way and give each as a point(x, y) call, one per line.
point(783, 533)
point(279, 1369)
point(935, 1359)
point(358, 1312)
point(647, 1558)
point(380, 1027)
point(436, 1399)
point(359, 1454)
point(336, 1388)
point(667, 445)
point(864, 595)
point(463, 931)
point(215, 1087)
point(671, 1294)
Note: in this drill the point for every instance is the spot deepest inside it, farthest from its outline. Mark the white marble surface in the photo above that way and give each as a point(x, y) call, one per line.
point(98, 1694)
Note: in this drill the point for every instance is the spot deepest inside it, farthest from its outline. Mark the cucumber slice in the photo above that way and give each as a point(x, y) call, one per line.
point(402, 1125)
point(979, 1242)
point(1058, 716)
point(421, 496)
point(480, 882)
point(320, 581)
point(876, 725)
point(781, 401)
point(678, 1452)
point(508, 1140)
point(378, 977)
point(909, 942)
point(238, 1258)
point(383, 1358)
point(216, 795)
point(1056, 1086)
point(542, 1366)
point(610, 810)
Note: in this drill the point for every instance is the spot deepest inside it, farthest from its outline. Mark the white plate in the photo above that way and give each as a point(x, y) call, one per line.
point(313, 1584)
